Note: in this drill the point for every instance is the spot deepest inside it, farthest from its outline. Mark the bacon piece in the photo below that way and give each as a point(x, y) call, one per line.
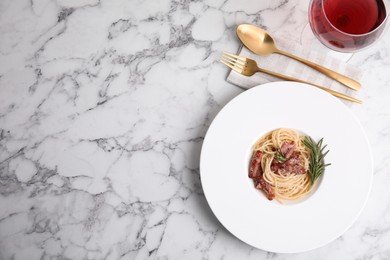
point(287, 149)
point(256, 173)
point(255, 165)
point(291, 165)
point(266, 187)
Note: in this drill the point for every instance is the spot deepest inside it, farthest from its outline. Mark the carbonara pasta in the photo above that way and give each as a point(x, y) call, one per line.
point(280, 165)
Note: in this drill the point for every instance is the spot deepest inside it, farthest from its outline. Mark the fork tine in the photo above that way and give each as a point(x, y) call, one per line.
point(234, 60)
point(232, 67)
point(234, 56)
point(233, 64)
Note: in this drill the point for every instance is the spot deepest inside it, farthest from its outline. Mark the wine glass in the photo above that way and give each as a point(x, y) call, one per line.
point(347, 25)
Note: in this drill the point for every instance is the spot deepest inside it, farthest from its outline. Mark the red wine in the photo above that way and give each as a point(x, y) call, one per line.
point(354, 17)
point(347, 25)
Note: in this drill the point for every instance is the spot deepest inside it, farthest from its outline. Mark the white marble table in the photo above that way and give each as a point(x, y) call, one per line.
point(104, 105)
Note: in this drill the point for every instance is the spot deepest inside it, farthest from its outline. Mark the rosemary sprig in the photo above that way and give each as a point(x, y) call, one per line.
point(280, 157)
point(317, 154)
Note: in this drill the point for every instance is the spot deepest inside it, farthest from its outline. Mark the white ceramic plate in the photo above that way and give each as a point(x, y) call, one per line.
point(296, 227)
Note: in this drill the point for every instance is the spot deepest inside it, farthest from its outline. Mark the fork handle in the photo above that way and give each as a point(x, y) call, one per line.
point(334, 93)
point(351, 83)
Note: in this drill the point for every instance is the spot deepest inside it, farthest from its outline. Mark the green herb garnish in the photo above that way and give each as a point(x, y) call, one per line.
point(317, 154)
point(280, 157)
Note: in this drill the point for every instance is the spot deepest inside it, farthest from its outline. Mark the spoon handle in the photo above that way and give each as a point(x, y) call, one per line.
point(288, 78)
point(351, 83)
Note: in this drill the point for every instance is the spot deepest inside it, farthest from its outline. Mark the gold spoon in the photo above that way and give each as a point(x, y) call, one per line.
point(260, 42)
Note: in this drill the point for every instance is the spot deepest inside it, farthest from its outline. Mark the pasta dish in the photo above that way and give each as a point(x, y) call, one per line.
point(286, 164)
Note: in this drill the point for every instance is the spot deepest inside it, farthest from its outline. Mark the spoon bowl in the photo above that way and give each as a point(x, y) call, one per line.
point(256, 39)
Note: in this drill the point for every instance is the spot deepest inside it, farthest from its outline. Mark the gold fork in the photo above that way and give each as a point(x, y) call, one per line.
point(248, 67)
